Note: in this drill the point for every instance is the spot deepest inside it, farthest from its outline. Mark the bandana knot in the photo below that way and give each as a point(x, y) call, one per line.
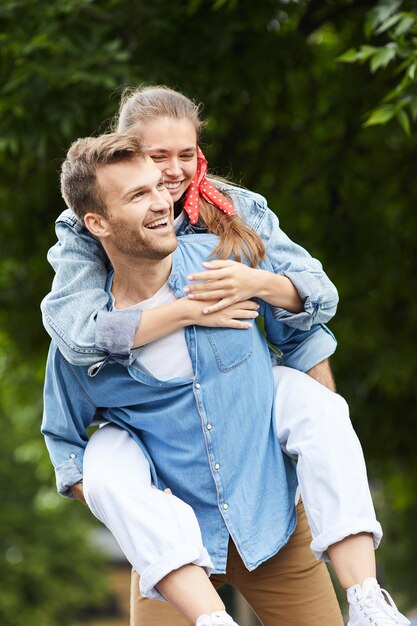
point(201, 186)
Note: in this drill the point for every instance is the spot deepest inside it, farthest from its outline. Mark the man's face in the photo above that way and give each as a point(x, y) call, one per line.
point(140, 209)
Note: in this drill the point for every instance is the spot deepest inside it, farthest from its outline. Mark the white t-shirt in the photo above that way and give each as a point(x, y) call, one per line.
point(167, 357)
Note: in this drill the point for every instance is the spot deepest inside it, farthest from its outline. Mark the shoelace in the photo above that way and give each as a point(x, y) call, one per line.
point(382, 606)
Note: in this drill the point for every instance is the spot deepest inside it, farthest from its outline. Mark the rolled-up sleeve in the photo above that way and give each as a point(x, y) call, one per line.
point(78, 292)
point(115, 333)
point(316, 290)
point(300, 349)
point(318, 293)
point(76, 312)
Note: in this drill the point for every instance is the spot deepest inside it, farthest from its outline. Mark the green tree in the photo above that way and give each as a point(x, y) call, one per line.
point(398, 48)
point(286, 118)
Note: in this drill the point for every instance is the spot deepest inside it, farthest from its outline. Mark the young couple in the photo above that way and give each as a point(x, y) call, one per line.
point(160, 345)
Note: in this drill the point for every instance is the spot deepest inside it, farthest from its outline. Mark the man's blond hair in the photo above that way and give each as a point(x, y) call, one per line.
point(79, 185)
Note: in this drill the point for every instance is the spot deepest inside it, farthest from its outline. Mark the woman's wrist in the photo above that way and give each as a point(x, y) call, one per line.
point(163, 320)
point(278, 291)
point(187, 312)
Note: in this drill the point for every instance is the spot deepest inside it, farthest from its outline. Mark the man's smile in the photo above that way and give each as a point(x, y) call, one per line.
point(159, 223)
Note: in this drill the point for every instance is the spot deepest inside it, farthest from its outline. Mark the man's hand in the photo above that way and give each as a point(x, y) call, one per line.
point(322, 372)
point(78, 492)
point(167, 490)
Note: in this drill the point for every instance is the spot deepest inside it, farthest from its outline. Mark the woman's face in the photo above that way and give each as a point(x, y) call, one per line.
point(172, 145)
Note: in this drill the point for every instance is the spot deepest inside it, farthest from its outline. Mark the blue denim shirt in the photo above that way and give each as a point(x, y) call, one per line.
point(211, 439)
point(75, 312)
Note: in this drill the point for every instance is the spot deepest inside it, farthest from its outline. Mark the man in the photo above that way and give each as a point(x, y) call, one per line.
point(205, 427)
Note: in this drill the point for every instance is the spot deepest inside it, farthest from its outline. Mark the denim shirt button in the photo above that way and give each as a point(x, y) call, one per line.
point(217, 466)
point(197, 385)
point(72, 456)
point(225, 506)
point(209, 426)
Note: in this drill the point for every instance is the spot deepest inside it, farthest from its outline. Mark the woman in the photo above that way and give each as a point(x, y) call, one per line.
point(301, 296)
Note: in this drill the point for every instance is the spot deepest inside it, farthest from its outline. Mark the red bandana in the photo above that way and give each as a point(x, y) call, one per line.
point(200, 186)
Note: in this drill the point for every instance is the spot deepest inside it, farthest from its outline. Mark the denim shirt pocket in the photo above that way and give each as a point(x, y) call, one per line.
point(231, 347)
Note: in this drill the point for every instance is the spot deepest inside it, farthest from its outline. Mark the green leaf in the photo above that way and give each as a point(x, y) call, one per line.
point(380, 14)
point(193, 6)
point(391, 21)
point(219, 4)
point(404, 121)
point(394, 93)
point(406, 23)
point(383, 57)
point(361, 55)
point(381, 115)
point(413, 107)
point(350, 56)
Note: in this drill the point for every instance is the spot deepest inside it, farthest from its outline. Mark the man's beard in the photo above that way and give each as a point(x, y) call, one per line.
point(132, 244)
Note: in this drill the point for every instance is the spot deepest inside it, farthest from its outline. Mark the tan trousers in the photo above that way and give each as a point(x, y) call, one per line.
point(290, 589)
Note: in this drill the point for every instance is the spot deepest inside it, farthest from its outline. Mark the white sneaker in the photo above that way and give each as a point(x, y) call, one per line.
point(219, 618)
point(369, 605)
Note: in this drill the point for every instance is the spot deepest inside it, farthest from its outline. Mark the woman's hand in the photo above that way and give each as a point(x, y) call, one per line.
point(228, 282)
point(231, 316)
point(168, 318)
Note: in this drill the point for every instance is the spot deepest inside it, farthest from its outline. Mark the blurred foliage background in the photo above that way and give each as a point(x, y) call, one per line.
point(311, 103)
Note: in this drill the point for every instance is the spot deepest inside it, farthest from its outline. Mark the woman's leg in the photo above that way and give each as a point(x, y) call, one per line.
point(313, 425)
point(144, 611)
point(190, 591)
point(148, 612)
point(158, 533)
point(290, 589)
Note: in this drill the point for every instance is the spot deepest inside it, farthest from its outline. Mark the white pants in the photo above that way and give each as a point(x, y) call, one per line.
point(158, 532)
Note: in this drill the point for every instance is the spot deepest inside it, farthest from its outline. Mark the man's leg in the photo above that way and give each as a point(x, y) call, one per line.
point(290, 589)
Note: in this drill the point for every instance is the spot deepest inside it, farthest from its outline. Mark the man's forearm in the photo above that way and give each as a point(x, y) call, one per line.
point(322, 372)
